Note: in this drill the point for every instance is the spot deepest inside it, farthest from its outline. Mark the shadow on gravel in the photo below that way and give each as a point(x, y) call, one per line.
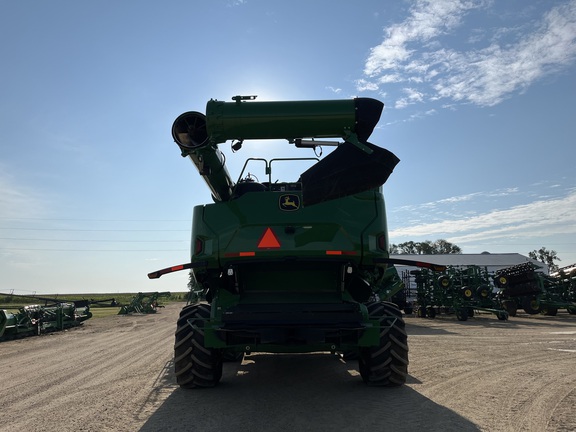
point(423, 330)
point(298, 392)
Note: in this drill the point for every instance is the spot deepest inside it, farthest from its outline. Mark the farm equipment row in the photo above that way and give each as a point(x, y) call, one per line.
point(462, 291)
point(455, 291)
point(143, 303)
point(54, 315)
point(58, 314)
point(523, 287)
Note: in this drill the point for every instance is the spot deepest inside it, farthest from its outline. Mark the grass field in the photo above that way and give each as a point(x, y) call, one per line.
point(101, 312)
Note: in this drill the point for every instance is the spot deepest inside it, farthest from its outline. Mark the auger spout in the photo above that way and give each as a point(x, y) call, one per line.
point(189, 132)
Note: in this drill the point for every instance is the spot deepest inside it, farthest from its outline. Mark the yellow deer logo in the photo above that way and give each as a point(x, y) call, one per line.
point(289, 202)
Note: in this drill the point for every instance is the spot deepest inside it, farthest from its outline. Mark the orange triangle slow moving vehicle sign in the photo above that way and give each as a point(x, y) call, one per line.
point(268, 240)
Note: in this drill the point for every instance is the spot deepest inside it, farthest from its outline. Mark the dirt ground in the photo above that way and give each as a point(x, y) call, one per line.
point(116, 374)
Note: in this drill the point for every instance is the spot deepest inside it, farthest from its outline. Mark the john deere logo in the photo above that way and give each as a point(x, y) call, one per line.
point(289, 202)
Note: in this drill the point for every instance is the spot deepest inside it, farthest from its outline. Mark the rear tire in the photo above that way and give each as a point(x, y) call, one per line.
point(387, 364)
point(194, 364)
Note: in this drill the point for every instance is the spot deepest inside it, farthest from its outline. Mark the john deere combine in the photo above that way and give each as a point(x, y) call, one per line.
point(290, 266)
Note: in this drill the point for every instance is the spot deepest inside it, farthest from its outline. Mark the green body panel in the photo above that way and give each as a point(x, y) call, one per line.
point(238, 225)
point(311, 260)
point(231, 230)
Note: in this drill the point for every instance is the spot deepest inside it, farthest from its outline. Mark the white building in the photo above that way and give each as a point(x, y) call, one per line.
point(492, 261)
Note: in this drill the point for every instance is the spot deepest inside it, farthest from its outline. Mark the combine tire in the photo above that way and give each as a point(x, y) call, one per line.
point(572, 310)
point(549, 310)
point(386, 364)
point(194, 365)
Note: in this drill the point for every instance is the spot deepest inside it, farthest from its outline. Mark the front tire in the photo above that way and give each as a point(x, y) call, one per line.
point(387, 364)
point(194, 364)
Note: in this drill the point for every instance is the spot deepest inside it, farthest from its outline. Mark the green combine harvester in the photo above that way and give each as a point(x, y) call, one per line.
point(290, 266)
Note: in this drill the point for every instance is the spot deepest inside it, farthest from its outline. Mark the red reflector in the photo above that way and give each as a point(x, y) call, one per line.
point(176, 268)
point(339, 252)
point(268, 240)
point(239, 254)
point(382, 242)
point(198, 246)
point(333, 252)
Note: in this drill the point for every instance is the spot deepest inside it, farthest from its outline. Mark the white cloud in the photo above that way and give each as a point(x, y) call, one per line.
point(412, 96)
point(459, 198)
point(536, 219)
point(392, 78)
point(363, 85)
point(334, 89)
point(487, 76)
point(411, 52)
point(429, 18)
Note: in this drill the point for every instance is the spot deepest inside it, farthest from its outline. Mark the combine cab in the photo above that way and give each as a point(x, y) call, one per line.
point(290, 266)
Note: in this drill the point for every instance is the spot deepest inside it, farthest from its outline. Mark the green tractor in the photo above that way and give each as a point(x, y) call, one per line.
point(292, 266)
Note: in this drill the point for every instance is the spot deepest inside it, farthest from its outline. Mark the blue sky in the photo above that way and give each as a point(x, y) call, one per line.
point(480, 108)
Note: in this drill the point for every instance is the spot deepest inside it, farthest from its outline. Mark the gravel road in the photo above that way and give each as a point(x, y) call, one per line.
point(116, 374)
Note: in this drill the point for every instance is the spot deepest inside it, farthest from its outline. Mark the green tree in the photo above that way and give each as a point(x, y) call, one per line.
point(545, 256)
point(425, 247)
